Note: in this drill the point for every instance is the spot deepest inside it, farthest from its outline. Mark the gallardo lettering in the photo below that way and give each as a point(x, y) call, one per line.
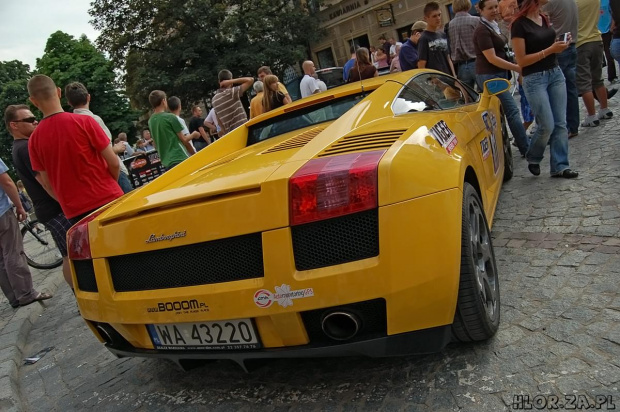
point(153, 238)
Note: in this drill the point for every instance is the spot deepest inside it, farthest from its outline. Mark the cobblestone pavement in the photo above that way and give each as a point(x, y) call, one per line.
point(557, 244)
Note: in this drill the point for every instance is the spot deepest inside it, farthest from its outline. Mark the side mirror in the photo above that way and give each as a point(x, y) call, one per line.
point(496, 86)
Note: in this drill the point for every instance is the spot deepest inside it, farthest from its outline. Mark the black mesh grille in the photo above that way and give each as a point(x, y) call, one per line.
point(338, 240)
point(372, 314)
point(217, 261)
point(85, 274)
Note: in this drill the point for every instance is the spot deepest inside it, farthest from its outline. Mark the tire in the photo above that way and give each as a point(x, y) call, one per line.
point(478, 307)
point(508, 161)
point(40, 249)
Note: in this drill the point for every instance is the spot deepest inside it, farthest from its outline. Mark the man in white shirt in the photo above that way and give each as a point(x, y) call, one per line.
point(212, 122)
point(393, 44)
point(309, 85)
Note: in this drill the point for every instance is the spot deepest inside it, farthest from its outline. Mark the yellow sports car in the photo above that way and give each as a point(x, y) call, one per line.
point(352, 222)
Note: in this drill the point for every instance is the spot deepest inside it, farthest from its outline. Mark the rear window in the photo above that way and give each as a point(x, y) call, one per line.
point(304, 117)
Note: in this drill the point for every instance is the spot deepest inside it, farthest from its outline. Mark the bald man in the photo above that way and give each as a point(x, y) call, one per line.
point(309, 84)
point(81, 183)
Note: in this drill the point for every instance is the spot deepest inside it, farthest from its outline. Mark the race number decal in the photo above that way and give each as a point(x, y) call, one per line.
point(490, 122)
point(485, 147)
point(446, 138)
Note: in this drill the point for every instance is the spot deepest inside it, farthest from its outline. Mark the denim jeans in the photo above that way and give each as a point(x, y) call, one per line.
point(515, 123)
point(546, 93)
point(124, 182)
point(567, 61)
point(615, 49)
point(199, 145)
point(466, 73)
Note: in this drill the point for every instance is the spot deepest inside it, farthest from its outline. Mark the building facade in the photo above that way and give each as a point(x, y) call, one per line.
point(362, 22)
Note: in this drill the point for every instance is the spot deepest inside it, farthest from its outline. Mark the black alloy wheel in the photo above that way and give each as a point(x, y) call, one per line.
point(478, 306)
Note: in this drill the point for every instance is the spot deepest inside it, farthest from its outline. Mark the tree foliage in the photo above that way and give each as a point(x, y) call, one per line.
point(180, 46)
point(67, 60)
point(14, 77)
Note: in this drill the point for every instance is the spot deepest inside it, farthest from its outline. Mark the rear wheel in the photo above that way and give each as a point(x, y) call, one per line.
point(508, 162)
point(39, 246)
point(478, 306)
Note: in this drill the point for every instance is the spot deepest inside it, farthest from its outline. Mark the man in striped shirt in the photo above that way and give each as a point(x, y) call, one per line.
point(227, 103)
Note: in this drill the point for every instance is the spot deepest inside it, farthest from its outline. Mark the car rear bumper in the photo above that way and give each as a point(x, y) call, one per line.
point(418, 342)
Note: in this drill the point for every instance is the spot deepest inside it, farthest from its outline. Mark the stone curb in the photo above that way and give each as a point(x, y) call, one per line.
point(13, 339)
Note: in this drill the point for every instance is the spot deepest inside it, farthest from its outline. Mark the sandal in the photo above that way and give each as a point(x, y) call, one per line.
point(566, 174)
point(40, 296)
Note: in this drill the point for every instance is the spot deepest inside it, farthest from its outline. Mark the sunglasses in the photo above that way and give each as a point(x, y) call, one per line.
point(26, 120)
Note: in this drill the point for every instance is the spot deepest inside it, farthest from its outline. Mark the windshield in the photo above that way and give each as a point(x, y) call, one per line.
point(304, 117)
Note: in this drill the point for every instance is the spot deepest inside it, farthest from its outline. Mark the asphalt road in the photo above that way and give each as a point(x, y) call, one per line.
point(557, 244)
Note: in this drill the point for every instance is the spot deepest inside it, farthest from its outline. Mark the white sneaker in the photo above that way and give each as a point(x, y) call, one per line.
point(605, 114)
point(590, 121)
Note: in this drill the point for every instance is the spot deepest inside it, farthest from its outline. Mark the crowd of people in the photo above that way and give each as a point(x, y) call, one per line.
point(556, 48)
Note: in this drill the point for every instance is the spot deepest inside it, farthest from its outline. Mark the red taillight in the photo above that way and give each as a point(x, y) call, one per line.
point(78, 243)
point(334, 186)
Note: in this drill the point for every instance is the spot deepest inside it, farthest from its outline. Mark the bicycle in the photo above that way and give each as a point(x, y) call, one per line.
point(39, 246)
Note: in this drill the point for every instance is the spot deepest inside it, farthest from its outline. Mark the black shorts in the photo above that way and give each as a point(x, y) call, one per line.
point(58, 227)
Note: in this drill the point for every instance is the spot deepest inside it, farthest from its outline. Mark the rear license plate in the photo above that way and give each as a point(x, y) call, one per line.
point(217, 335)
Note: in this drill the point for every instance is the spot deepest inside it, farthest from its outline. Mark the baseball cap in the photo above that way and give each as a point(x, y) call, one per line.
point(419, 26)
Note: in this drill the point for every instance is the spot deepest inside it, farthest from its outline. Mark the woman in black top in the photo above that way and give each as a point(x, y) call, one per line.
point(535, 46)
point(272, 97)
point(363, 68)
point(492, 62)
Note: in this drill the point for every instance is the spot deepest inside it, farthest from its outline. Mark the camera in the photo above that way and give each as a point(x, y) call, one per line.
point(510, 55)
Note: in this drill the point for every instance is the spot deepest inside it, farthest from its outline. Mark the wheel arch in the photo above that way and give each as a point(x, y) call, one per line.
point(471, 178)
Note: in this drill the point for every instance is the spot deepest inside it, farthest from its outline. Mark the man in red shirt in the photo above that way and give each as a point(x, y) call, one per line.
point(72, 154)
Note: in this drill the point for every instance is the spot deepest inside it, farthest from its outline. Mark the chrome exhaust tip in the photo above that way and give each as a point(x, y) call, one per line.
point(340, 326)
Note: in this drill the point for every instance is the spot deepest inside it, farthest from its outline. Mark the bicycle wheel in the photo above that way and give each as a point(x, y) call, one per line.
point(39, 246)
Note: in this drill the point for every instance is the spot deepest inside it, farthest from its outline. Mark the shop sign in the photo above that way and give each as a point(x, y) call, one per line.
point(345, 9)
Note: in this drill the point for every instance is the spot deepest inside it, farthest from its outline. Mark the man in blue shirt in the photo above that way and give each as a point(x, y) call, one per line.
point(15, 277)
point(349, 64)
point(408, 55)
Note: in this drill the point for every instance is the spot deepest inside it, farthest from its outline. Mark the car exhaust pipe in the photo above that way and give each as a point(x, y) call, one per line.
point(341, 325)
point(109, 334)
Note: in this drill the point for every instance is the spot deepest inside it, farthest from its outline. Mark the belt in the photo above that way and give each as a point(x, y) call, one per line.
point(466, 61)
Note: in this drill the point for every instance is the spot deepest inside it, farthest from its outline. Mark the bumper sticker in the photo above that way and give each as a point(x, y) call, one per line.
point(446, 137)
point(486, 149)
point(264, 298)
point(490, 122)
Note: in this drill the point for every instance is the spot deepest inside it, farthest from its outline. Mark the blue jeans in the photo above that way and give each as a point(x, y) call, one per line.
point(466, 73)
point(199, 145)
point(546, 93)
point(511, 110)
point(567, 61)
point(124, 182)
point(615, 49)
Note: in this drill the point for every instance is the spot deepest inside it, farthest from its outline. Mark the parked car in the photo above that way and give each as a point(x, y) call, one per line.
point(331, 76)
point(352, 222)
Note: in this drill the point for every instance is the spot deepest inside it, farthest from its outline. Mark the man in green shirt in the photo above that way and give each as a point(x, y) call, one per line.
point(171, 144)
